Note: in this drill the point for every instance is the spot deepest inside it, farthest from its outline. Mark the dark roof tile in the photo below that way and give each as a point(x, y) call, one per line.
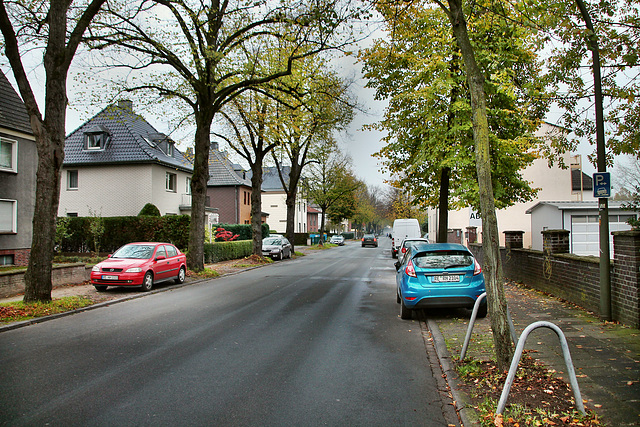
point(13, 114)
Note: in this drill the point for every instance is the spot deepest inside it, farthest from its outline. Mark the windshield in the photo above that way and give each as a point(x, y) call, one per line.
point(272, 241)
point(134, 251)
point(442, 260)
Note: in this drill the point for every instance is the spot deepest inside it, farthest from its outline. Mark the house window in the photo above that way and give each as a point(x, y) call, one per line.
point(8, 216)
point(170, 181)
point(8, 155)
point(72, 180)
point(96, 137)
point(188, 185)
point(6, 260)
point(72, 214)
point(169, 149)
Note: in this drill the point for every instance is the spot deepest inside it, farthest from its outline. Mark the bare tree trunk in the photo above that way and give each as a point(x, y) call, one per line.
point(195, 256)
point(443, 207)
point(291, 217)
point(490, 239)
point(49, 143)
point(256, 204)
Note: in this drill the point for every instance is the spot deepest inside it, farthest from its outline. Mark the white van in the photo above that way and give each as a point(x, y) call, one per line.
point(403, 228)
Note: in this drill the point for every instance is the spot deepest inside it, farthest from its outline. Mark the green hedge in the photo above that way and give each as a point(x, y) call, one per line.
point(120, 230)
point(222, 251)
point(300, 239)
point(348, 236)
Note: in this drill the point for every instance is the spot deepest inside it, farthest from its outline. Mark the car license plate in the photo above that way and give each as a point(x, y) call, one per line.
point(109, 277)
point(446, 279)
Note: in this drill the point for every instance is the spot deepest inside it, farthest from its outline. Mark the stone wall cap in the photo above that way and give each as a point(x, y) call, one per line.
point(634, 232)
point(554, 232)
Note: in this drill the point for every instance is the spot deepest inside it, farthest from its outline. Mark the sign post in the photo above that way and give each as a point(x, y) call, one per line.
point(602, 191)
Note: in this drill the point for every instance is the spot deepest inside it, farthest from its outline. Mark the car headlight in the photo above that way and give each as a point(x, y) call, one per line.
point(134, 270)
point(96, 269)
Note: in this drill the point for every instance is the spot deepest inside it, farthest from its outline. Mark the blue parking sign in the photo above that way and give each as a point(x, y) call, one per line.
point(602, 185)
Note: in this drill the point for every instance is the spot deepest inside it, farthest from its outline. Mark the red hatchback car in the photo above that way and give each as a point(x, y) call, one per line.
point(140, 264)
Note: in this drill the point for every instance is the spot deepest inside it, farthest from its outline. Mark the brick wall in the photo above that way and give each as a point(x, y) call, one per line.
point(12, 282)
point(577, 278)
point(20, 256)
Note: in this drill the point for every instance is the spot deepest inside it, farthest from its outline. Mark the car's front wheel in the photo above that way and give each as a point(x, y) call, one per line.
point(100, 288)
point(147, 282)
point(181, 276)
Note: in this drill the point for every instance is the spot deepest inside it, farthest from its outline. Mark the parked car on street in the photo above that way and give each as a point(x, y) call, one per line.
point(410, 241)
point(140, 264)
point(277, 247)
point(438, 275)
point(337, 240)
point(369, 240)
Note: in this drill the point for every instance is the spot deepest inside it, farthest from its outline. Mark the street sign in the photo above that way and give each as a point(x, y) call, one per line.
point(602, 185)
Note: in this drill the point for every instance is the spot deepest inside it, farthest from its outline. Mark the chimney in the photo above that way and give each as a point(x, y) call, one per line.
point(214, 146)
point(125, 104)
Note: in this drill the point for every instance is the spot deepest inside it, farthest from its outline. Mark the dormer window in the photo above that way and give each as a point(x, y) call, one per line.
point(96, 137)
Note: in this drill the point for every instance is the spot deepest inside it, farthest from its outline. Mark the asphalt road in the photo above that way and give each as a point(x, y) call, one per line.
point(311, 341)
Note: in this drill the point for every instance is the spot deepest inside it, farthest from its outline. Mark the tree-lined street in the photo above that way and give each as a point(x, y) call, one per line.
point(312, 341)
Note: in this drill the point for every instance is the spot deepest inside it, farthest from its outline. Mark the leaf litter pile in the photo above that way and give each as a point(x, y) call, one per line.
point(537, 397)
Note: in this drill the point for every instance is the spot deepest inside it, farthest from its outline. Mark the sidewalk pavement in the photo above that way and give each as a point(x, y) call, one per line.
point(606, 356)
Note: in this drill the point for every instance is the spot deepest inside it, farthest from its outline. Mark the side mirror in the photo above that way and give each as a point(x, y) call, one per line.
point(160, 257)
point(397, 265)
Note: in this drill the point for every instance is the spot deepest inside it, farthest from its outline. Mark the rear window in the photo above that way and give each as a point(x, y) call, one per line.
point(443, 259)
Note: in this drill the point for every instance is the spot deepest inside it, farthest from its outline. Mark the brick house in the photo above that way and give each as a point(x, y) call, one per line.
point(18, 166)
point(229, 188)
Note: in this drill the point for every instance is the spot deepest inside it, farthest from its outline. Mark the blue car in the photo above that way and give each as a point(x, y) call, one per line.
point(438, 275)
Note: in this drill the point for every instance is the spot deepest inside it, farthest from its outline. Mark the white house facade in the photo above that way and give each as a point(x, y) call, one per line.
point(274, 203)
point(555, 183)
point(117, 162)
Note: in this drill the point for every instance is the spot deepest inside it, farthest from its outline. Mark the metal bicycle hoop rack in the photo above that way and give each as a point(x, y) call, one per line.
point(518, 354)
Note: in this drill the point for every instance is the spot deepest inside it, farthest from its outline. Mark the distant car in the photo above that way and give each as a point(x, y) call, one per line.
point(369, 240)
point(277, 247)
point(140, 264)
point(438, 275)
point(337, 240)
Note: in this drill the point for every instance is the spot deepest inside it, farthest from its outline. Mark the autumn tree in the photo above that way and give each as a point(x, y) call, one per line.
point(56, 27)
point(569, 69)
point(204, 55)
point(328, 181)
point(314, 103)
point(246, 120)
point(429, 147)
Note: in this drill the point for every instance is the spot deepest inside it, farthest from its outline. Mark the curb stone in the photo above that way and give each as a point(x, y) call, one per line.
point(463, 404)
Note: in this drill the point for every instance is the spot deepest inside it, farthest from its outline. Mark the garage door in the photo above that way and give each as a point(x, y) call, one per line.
point(585, 232)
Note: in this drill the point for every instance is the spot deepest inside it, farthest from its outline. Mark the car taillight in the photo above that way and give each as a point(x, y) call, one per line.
point(404, 250)
point(375, 240)
point(363, 239)
point(410, 270)
point(476, 267)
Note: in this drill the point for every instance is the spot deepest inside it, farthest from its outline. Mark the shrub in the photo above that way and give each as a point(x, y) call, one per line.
point(149, 210)
point(222, 251)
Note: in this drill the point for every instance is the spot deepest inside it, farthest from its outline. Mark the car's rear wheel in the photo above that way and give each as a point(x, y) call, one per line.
point(181, 276)
point(405, 312)
point(100, 288)
point(147, 282)
point(482, 311)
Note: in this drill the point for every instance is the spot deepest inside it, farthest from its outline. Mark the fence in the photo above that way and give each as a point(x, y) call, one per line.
point(577, 278)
